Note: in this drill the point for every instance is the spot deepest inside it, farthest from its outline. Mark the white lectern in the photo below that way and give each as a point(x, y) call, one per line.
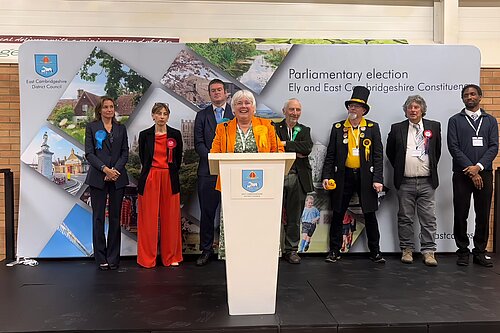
point(252, 194)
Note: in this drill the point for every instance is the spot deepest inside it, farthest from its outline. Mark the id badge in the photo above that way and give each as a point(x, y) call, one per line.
point(416, 153)
point(355, 151)
point(477, 141)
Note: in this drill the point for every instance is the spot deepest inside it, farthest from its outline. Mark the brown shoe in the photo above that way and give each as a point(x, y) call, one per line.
point(407, 257)
point(292, 257)
point(429, 259)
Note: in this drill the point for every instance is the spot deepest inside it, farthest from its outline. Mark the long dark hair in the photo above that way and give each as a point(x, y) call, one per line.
point(98, 108)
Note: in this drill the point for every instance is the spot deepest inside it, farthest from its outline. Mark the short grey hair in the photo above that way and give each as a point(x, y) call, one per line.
point(416, 99)
point(240, 94)
point(285, 106)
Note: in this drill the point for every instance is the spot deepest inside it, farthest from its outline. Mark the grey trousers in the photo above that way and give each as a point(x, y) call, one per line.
point(293, 201)
point(417, 200)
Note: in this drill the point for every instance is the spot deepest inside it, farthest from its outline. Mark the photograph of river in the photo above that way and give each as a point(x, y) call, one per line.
point(251, 64)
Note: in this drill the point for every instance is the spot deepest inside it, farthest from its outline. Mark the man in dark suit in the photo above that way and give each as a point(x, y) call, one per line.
point(473, 145)
point(354, 160)
point(297, 139)
point(414, 149)
point(204, 132)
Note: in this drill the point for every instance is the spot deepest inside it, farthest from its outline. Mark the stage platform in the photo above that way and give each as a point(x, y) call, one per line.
point(353, 295)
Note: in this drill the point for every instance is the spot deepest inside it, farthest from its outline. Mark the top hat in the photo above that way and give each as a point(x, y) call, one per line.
point(359, 95)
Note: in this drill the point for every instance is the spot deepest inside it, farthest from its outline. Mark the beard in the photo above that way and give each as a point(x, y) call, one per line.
point(352, 116)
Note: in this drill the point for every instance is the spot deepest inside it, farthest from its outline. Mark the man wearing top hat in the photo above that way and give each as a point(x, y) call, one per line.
point(354, 160)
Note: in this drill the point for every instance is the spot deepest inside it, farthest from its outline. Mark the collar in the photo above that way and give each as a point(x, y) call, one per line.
point(470, 113)
point(223, 106)
point(420, 123)
point(362, 123)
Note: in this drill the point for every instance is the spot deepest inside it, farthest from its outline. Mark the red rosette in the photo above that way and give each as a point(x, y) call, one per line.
point(171, 144)
point(427, 137)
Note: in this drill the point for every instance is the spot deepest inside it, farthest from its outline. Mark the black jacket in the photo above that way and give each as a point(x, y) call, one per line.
point(147, 150)
point(303, 145)
point(396, 149)
point(371, 169)
point(113, 154)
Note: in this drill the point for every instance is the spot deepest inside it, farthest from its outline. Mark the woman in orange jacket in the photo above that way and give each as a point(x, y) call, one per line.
point(244, 134)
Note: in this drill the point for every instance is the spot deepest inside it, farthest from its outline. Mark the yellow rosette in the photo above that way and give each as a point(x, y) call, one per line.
point(331, 185)
point(367, 143)
point(260, 133)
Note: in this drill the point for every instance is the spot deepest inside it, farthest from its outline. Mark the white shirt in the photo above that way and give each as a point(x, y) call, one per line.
point(414, 166)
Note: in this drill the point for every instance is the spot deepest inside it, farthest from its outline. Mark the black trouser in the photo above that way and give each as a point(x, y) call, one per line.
point(463, 187)
point(106, 250)
point(352, 184)
point(209, 199)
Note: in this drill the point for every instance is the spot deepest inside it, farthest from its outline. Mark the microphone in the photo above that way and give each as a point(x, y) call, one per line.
point(276, 135)
point(225, 130)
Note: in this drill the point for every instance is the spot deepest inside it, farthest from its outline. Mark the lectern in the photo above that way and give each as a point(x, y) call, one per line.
point(252, 194)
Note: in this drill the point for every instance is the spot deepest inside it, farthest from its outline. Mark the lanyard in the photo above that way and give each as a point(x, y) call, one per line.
point(244, 136)
point(478, 127)
point(356, 137)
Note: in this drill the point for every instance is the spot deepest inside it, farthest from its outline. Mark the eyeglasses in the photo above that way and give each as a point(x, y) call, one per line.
point(355, 106)
point(110, 137)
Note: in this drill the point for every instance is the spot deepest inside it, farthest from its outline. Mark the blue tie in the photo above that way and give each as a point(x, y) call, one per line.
point(218, 114)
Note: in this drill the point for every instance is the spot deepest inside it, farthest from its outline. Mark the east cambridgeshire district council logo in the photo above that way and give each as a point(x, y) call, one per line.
point(46, 64)
point(252, 180)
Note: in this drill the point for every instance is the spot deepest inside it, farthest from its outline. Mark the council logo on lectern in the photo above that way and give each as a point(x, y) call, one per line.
point(252, 180)
point(46, 64)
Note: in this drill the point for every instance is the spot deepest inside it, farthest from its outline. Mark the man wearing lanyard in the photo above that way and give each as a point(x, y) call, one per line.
point(414, 148)
point(205, 123)
point(354, 160)
point(297, 139)
point(473, 145)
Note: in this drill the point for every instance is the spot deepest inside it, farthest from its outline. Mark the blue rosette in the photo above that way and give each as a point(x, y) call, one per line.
point(100, 136)
point(223, 120)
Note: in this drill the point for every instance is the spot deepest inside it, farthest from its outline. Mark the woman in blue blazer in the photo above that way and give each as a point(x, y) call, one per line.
point(106, 149)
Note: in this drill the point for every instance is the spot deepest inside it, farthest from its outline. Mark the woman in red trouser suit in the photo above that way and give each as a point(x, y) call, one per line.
point(160, 151)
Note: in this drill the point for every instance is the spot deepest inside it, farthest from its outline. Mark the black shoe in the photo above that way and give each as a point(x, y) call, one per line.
point(203, 259)
point(482, 259)
point(292, 257)
point(463, 259)
point(377, 258)
point(113, 267)
point(332, 257)
point(104, 267)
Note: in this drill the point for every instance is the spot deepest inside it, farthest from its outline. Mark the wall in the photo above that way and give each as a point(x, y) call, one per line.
point(9, 138)
point(9, 130)
point(196, 21)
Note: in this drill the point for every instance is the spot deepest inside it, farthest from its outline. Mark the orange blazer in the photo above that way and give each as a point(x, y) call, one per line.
point(263, 130)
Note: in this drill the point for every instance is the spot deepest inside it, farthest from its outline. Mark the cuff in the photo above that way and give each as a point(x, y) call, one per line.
point(481, 167)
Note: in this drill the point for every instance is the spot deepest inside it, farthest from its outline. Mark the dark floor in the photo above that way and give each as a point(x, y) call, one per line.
point(353, 295)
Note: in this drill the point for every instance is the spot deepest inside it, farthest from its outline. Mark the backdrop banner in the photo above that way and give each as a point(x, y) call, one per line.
point(61, 82)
